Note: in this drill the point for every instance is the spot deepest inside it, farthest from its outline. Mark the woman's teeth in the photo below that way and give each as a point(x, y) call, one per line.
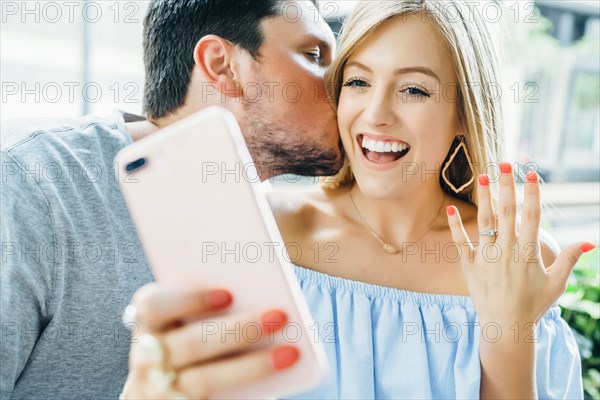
point(383, 147)
point(382, 152)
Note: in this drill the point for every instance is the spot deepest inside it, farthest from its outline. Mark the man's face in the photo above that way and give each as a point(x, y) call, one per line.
point(289, 125)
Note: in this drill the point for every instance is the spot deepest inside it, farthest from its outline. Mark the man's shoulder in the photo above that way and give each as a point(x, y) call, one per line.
point(23, 136)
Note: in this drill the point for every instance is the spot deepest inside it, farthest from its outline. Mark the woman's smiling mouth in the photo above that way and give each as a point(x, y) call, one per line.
point(382, 151)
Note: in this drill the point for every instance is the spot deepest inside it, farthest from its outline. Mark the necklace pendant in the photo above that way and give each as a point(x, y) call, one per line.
point(388, 248)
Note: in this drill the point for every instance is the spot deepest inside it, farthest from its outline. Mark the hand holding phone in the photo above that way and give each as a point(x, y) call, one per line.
point(193, 193)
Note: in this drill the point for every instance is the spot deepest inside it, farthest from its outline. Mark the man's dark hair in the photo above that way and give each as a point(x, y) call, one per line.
point(173, 27)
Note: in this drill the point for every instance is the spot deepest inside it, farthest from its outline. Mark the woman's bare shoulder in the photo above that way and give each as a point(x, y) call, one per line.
point(301, 211)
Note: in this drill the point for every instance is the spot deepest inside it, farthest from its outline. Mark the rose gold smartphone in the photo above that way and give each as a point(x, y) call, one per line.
point(193, 193)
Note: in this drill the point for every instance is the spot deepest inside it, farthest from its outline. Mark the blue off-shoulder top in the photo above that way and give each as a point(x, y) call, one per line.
point(386, 343)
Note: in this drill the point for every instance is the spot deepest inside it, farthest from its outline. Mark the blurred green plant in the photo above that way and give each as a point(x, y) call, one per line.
point(581, 309)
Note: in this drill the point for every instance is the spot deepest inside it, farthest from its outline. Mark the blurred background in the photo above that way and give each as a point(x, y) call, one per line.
point(78, 57)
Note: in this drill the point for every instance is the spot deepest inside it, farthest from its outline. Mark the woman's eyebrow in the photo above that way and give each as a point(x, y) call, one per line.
point(399, 71)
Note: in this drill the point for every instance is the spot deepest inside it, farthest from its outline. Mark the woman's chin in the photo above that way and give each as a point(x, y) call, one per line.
point(380, 189)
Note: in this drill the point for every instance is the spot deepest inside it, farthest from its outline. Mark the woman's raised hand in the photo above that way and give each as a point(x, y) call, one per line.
point(506, 277)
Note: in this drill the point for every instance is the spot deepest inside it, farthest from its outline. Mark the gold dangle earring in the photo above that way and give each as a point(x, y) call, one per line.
point(445, 178)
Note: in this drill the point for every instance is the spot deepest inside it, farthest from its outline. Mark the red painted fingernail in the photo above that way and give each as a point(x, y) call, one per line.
point(532, 177)
point(450, 210)
point(284, 356)
point(218, 298)
point(273, 320)
point(505, 168)
point(587, 247)
point(484, 180)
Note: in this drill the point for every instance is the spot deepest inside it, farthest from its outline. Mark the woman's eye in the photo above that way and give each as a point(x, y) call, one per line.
point(355, 82)
point(414, 91)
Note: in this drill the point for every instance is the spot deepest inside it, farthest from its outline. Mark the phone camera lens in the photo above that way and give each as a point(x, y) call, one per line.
point(132, 166)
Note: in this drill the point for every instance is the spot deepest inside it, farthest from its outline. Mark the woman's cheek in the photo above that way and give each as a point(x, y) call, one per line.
point(345, 118)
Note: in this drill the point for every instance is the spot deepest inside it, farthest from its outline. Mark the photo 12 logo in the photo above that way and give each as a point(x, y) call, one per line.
point(54, 12)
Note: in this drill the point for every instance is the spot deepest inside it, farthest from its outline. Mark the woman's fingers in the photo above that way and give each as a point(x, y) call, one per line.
point(459, 235)
point(507, 207)
point(207, 356)
point(532, 210)
point(486, 218)
point(562, 267)
point(205, 340)
point(205, 380)
point(159, 306)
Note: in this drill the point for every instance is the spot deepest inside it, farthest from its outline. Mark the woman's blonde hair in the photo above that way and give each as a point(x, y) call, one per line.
point(475, 57)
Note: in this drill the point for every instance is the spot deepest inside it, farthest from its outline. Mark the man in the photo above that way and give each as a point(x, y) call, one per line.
point(71, 260)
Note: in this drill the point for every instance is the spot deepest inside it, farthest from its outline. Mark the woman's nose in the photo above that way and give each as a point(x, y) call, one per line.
point(379, 110)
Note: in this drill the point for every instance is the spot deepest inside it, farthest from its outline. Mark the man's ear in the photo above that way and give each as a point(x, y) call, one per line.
point(213, 56)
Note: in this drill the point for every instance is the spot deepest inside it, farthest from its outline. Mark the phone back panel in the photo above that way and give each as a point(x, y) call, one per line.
point(204, 222)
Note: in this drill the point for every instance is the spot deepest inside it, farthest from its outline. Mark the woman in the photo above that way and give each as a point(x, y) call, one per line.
point(420, 141)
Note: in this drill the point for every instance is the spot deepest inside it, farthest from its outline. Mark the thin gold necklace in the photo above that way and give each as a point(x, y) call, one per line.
point(389, 248)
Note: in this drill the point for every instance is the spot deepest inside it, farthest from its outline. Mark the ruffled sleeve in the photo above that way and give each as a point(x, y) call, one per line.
point(558, 363)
